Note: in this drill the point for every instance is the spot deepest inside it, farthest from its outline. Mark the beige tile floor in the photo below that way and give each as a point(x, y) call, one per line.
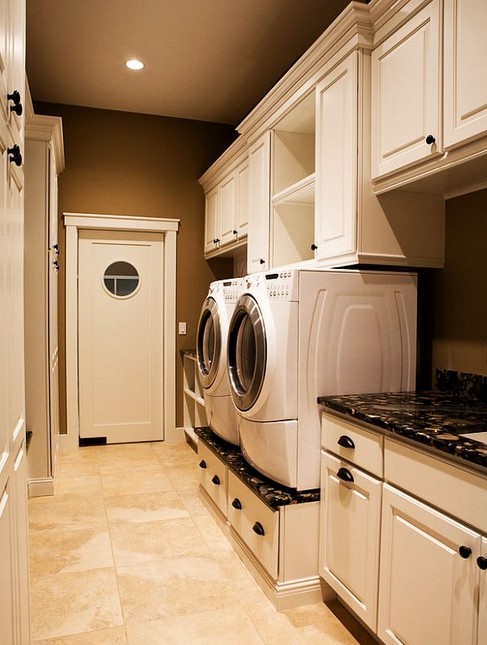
point(126, 553)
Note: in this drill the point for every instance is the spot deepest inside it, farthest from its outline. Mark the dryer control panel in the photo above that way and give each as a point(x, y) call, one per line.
point(232, 289)
point(281, 284)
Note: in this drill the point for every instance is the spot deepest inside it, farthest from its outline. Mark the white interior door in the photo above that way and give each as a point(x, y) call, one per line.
point(120, 327)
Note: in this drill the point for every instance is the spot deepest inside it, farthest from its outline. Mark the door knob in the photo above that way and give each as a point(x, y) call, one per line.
point(482, 562)
point(262, 261)
point(465, 552)
point(430, 139)
point(314, 247)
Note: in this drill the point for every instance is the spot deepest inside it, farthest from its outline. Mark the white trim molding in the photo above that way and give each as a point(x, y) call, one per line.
point(169, 228)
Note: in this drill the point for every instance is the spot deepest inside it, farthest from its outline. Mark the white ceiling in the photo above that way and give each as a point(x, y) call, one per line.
point(210, 60)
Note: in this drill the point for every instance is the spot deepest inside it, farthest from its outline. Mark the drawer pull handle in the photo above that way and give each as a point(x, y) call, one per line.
point(202, 464)
point(237, 504)
point(465, 552)
point(345, 442)
point(258, 528)
point(482, 562)
point(345, 475)
point(216, 480)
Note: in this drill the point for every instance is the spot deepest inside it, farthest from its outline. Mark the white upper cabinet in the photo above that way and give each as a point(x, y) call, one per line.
point(336, 155)
point(405, 94)
point(429, 98)
point(226, 186)
point(259, 180)
point(465, 70)
point(212, 224)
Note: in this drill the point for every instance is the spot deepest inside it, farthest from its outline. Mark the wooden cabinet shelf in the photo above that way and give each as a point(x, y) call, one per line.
point(194, 414)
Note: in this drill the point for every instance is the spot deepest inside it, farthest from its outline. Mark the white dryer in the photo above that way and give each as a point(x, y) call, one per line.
point(297, 334)
point(211, 353)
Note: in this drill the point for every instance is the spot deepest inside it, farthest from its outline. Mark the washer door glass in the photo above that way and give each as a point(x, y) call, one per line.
point(247, 353)
point(208, 343)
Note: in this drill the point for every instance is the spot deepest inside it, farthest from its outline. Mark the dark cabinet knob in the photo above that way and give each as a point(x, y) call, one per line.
point(216, 480)
point(345, 475)
point(216, 240)
point(202, 464)
point(17, 105)
point(15, 155)
point(482, 562)
point(465, 552)
point(262, 261)
point(55, 264)
point(56, 248)
point(237, 504)
point(258, 528)
point(235, 232)
point(430, 139)
point(345, 442)
point(314, 247)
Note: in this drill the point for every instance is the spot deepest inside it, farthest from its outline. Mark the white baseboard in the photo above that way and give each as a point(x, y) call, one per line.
point(41, 487)
point(174, 435)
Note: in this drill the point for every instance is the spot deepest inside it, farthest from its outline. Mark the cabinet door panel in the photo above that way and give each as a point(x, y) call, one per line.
point(465, 70)
point(227, 205)
point(482, 634)
point(427, 590)
point(405, 94)
point(211, 220)
point(243, 181)
point(258, 236)
point(6, 573)
point(336, 161)
point(350, 524)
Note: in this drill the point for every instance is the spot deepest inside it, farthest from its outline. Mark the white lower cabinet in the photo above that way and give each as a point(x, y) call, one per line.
point(429, 576)
point(482, 564)
point(350, 513)
point(256, 523)
point(279, 545)
point(405, 548)
point(213, 477)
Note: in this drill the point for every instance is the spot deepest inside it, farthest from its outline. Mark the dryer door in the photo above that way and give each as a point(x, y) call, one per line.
point(208, 343)
point(247, 352)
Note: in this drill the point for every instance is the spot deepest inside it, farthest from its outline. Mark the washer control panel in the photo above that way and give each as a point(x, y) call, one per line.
point(281, 284)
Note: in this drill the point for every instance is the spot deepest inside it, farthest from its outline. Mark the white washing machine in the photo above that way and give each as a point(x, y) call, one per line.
point(211, 352)
point(297, 334)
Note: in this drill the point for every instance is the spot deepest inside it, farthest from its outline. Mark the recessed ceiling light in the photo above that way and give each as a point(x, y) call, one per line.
point(134, 63)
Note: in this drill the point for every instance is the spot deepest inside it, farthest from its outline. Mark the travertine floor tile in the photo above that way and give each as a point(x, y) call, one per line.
point(154, 590)
point(111, 636)
point(71, 603)
point(77, 486)
point(54, 551)
point(144, 541)
point(68, 513)
point(147, 507)
point(228, 626)
point(129, 481)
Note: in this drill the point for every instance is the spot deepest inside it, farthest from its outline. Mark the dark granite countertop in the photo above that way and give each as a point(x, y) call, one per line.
point(271, 493)
point(435, 419)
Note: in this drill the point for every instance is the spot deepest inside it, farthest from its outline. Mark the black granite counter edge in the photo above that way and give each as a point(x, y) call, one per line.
point(437, 440)
point(271, 493)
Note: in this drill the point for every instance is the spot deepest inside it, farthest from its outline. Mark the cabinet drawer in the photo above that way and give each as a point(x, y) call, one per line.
point(256, 523)
point(455, 490)
point(353, 443)
point(213, 477)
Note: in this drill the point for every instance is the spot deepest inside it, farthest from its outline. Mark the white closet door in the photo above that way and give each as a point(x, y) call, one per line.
point(121, 336)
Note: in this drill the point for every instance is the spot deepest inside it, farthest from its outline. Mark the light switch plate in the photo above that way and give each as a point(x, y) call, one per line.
point(182, 328)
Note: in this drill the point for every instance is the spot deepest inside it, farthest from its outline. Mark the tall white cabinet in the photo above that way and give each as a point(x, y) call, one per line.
point(44, 160)
point(14, 586)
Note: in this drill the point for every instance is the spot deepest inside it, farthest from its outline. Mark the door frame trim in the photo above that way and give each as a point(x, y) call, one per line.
point(169, 227)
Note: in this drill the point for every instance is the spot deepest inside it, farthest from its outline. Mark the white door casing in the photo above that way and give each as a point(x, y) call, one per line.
point(120, 337)
point(75, 222)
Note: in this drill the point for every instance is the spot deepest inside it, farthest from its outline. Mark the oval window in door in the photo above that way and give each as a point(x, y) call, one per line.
point(121, 279)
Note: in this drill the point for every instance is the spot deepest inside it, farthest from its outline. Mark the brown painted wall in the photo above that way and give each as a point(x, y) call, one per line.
point(121, 163)
point(454, 299)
